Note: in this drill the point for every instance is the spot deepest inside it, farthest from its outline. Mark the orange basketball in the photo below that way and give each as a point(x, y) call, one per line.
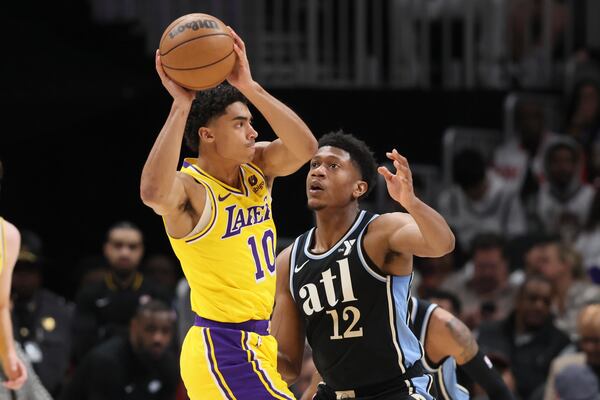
point(196, 51)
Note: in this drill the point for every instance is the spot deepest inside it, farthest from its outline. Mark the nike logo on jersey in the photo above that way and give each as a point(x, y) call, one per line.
point(298, 268)
point(222, 198)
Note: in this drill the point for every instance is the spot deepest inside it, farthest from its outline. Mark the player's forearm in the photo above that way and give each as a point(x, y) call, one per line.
point(287, 125)
point(7, 346)
point(288, 370)
point(480, 369)
point(435, 231)
point(158, 175)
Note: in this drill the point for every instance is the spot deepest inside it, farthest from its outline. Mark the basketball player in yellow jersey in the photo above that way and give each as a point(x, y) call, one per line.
point(15, 372)
point(217, 214)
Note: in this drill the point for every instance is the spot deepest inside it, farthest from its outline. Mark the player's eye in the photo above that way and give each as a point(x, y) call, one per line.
point(334, 166)
point(314, 164)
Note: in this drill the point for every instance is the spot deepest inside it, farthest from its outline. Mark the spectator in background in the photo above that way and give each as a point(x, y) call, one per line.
point(483, 287)
point(479, 202)
point(588, 327)
point(136, 367)
point(583, 124)
point(577, 382)
point(430, 273)
point(162, 270)
point(41, 319)
point(444, 299)
point(564, 200)
point(587, 243)
point(519, 161)
point(103, 309)
point(561, 264)
point(528, 337)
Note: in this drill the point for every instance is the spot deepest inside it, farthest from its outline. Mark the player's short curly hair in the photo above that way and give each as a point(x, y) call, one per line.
point(360, 154)
point(209, 104)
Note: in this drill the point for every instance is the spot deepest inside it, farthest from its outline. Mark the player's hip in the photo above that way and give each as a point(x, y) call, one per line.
point(222, 363)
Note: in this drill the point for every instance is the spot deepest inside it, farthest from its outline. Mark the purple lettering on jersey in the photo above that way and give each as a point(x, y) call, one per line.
point(239, 217)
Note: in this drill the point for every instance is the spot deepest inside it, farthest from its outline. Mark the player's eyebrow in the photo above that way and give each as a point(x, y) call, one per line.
point(241, 118)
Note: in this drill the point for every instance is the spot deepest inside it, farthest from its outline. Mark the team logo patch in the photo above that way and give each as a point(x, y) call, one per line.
point(253, 180)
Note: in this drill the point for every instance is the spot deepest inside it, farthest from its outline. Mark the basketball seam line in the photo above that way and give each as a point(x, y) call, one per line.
point(192, 39)
point(202, 66)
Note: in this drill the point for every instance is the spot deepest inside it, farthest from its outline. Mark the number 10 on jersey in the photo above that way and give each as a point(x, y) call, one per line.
point(264, 258)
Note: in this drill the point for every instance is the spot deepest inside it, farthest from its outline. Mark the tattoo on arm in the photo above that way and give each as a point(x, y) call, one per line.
point(463, 336)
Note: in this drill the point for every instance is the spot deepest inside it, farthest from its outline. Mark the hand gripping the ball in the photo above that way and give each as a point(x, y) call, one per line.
point(240, 76)
point(179, 93)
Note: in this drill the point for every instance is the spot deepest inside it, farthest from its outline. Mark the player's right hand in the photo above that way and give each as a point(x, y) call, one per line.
point(15, 371)
point(178, 93)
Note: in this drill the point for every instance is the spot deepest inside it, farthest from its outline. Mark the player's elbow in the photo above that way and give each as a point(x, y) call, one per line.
point(152, 197)
point(306, 152)
point(450, 243)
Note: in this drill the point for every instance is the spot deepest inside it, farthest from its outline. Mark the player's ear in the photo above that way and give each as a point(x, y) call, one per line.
point(360, 188)
point(206, 134)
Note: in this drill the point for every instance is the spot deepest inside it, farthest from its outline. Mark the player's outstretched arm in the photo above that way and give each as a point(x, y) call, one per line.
point(296, 143)
point(286, 324)
point(161, 188)
point(13, 368)
point(423, 231)
point(312, 388)
point(449, 336)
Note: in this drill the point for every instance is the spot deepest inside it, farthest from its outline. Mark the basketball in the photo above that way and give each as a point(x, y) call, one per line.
point(196, 51)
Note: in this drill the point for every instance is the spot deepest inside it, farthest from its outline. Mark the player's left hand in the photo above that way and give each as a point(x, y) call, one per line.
point(400, 184)
point(240, 76)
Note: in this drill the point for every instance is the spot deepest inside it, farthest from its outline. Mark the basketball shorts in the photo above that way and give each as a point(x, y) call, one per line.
point(232, 362)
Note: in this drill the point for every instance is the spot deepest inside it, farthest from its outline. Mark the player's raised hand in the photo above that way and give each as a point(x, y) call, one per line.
point(240, 76)
point(399, 184)
point(178, 93)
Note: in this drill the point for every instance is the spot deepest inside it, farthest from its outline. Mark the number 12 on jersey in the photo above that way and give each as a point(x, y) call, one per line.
point(267, 258)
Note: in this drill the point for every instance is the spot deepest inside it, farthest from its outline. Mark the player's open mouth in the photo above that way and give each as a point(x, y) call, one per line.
point(315, 187)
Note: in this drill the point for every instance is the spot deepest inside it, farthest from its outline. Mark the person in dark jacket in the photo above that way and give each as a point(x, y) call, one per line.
point(527, 337)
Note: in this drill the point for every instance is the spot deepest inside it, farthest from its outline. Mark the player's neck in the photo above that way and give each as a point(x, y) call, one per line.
point(223, 170)
point(331, 225)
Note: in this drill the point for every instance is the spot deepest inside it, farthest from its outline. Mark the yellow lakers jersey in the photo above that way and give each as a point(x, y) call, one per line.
point(230, 263)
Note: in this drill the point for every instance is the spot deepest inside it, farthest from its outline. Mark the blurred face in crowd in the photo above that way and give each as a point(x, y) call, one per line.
point(152, 332)
point(533, 304)
point(589, 334)
point(589, 103)
point(161, 270)
point(562, 166)
point(124, 250)
point(530, 124)
point(491, 270)
point(26, 280)
point(550, 263)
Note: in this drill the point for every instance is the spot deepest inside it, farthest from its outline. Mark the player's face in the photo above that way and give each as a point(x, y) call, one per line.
point(124, 249)
point(234, 136)
point(332, 180)
point(153, 332)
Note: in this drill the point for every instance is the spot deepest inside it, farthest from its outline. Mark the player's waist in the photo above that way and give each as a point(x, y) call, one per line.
point(398, 383)
point(260, 327)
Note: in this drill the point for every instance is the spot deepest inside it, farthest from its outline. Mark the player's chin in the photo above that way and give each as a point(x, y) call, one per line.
point(315, 204)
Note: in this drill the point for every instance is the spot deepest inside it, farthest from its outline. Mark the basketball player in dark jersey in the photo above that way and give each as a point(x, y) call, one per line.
point(449, 343)
point(345, 284)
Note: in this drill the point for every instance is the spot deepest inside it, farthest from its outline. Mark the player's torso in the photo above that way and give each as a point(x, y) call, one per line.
point(353, 314)
point(230, 264)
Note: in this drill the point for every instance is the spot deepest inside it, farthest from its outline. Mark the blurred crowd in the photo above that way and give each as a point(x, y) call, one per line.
point(525, 276)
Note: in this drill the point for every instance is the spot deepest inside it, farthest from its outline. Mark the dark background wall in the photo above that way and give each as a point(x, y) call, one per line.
point(82, 106)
